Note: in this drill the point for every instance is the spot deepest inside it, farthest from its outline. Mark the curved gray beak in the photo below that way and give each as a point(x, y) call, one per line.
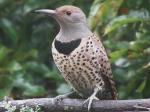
point(47, 12)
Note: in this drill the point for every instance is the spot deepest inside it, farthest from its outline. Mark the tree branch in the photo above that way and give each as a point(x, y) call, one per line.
point(75, 105)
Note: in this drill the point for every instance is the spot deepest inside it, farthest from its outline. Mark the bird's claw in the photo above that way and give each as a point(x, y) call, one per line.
point(59, 98)
point(89, 101)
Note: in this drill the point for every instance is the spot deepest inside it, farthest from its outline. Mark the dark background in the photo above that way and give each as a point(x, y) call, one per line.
point(27, 69)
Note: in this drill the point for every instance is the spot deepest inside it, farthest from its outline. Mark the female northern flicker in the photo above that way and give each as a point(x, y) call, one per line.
point(80, 55)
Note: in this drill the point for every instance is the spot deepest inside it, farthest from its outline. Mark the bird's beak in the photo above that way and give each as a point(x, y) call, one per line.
point(47, 12)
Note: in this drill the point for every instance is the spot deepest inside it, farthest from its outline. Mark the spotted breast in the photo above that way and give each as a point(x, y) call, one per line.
point(83, 64)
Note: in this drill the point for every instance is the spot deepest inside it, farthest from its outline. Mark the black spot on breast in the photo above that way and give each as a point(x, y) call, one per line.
point(66, 47)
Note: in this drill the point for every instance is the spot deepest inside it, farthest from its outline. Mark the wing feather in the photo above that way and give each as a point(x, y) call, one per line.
point(105, 67)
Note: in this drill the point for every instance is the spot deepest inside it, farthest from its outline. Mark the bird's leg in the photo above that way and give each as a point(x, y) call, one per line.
point(60, 97)
point(91, 98)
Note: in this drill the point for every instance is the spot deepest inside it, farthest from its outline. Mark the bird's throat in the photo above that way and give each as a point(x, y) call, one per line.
point(73, 32)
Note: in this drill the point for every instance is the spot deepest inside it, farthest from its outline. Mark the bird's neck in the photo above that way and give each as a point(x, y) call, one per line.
point(72, 32)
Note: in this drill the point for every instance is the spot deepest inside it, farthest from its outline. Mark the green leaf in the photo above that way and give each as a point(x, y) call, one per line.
point(33, 90)
point(118, 53)
point(5, 85)
point(21, 55)
point(5, 81)
point(9, 29)
point(142, 86)
point(3, 52)
point(4, 92)
point(27, 87)
point(54, 75)
point(14, 66)
point(121, 20)
point(103, 11)
point(37, 67)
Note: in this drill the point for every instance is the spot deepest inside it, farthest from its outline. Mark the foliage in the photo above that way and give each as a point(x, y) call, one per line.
point(26, 64)
point(10, 108)
point(125, 34)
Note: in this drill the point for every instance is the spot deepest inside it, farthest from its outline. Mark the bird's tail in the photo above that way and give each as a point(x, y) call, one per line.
point(110, 83)
point(113, 89)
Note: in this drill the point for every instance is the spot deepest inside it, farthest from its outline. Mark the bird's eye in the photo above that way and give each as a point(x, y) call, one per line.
point(68, 13)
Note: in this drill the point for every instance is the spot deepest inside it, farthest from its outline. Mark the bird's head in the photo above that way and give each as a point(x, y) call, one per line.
point(66, 14)
point(72, 22)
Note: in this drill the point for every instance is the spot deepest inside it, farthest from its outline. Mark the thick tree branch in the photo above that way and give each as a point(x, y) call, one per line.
point(75, 105)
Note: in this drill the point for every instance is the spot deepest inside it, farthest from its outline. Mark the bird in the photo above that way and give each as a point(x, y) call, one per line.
point(80, 55)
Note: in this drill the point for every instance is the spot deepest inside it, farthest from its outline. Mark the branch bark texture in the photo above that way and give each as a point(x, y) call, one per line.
point(75, 105)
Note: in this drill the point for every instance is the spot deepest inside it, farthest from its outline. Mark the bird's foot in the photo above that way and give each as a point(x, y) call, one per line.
point(90, 100)
point(59, 98)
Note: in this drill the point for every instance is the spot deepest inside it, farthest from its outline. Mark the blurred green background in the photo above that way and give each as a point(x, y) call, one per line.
point(27, 69)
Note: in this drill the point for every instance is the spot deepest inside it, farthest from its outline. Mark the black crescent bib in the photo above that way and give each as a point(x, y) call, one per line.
point(66, 47)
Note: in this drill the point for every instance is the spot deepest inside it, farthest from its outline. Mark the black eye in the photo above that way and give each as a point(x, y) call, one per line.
point(68, 13)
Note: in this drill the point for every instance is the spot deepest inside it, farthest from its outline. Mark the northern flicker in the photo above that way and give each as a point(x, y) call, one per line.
point(80, 55)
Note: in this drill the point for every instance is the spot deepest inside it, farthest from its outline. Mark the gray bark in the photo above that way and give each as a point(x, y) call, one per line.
point(75, 105)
